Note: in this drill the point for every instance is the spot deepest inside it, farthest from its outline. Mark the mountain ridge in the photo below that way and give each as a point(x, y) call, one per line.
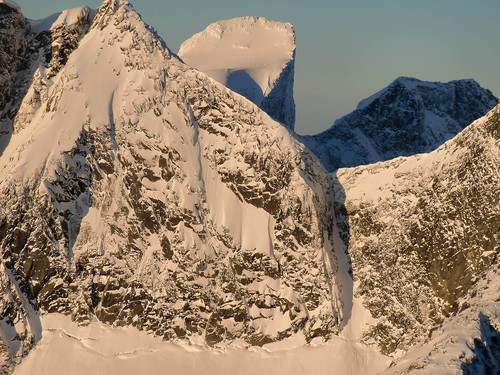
point(407, 117)
point(137, 191)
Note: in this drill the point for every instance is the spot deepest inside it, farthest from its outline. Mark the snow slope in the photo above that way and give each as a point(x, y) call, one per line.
point(101, 349)
point(408, 117)
point(252, 56)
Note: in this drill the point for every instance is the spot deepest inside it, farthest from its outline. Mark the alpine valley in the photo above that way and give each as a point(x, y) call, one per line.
point(152, 219)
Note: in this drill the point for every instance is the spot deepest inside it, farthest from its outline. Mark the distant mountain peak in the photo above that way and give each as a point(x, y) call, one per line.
point(254, 57)
point(407, 117)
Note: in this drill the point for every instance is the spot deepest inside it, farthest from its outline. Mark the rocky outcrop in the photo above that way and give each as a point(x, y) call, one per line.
point(31, 58)
point(423, 231)
point(252, 56)
point(13, 30)
point(13, 45)
point(406, 118)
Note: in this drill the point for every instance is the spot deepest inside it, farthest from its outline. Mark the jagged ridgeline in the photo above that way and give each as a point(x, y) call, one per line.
point(407, 117)
point(424, 233)
point(137, 191)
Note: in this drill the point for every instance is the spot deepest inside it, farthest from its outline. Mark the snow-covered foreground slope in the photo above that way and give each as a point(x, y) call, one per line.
point(408, 117)
point(254, 57)
point(101, 349)
point(422, 231)
point(139, 192)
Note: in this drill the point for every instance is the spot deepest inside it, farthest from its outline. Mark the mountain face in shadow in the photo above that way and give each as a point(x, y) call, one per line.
point(408, 117)
point(486, 350)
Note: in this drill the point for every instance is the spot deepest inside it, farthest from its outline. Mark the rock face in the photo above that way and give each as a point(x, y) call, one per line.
point(30, 59)
point(254, 57)
point(406, 118)
point(422, 231)
point(137, 191)
point(13, 44)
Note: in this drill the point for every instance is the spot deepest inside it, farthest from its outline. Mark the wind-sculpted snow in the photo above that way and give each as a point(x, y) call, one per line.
point(137, 191)
point(254, 57)
point(423, 231)
point(406, 118)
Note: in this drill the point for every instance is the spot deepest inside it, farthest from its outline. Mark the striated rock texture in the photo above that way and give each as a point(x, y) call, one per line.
point(252, 56)
point(406, 118)
point(137, 191)
point(423, 231)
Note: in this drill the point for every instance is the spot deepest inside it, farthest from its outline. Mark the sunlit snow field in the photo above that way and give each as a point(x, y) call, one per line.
point(100, 349)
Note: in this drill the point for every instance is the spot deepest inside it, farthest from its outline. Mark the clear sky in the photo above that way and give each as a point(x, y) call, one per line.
point(346, 49)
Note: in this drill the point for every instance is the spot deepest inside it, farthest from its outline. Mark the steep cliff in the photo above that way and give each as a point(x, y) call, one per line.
point(422, 231)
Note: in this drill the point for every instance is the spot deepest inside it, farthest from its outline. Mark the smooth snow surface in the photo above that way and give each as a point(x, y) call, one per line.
point(10, 4)
point(99, 349)
point(246, 54)
point(66, 17)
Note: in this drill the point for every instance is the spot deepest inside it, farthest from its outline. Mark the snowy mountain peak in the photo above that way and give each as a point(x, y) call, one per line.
point(407, 117)
point(420, 88)
point(254, 57)
point(63, 19)
point(159, 199)
point(241, 34)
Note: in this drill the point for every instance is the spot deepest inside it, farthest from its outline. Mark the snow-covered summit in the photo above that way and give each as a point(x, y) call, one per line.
point(407, 117)
point(64, 18)
point(253, 56)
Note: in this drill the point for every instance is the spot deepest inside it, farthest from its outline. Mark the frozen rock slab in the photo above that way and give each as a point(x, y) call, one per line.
point(252, 56)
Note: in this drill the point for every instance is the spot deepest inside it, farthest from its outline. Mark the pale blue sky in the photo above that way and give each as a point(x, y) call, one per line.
point(346, 49)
